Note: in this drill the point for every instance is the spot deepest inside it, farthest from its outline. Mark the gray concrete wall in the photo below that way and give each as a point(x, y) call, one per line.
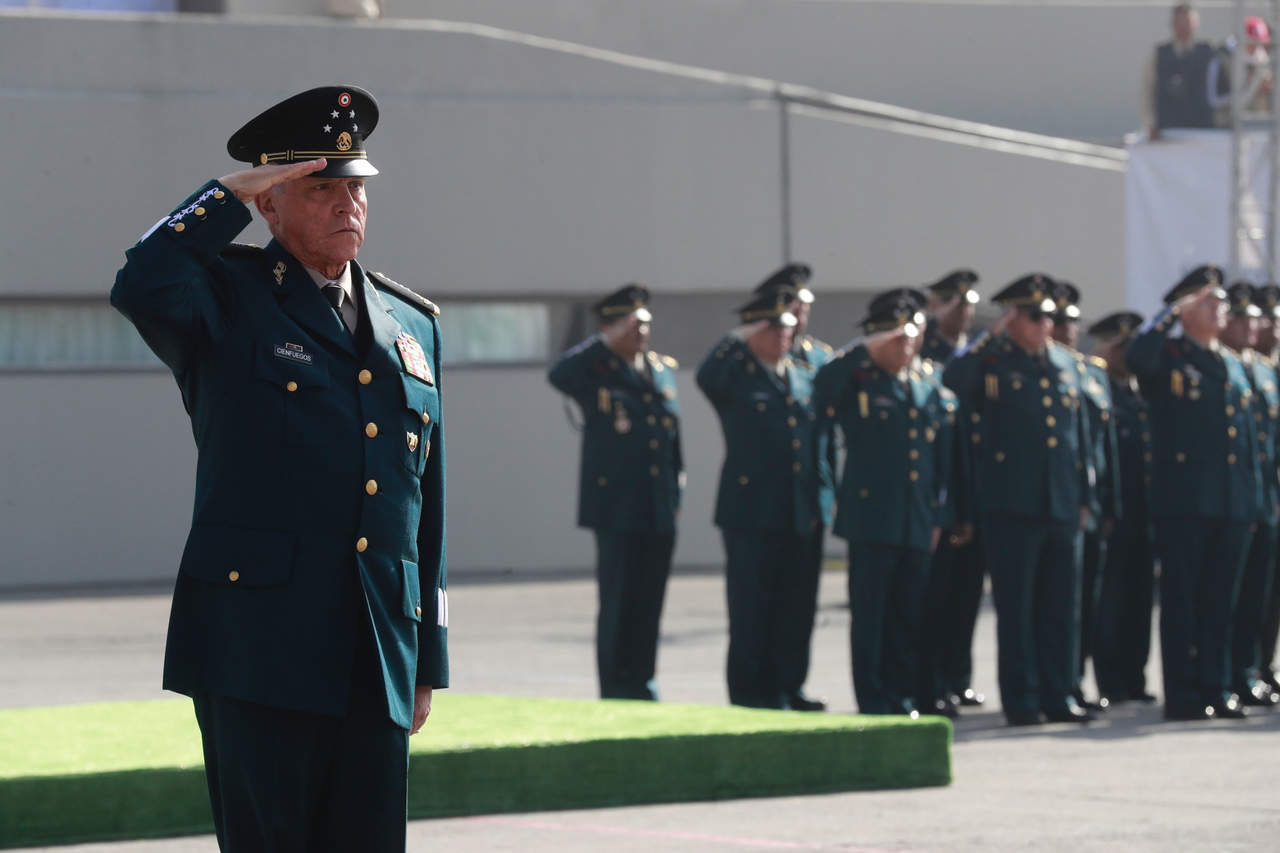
point(1061, 67)
point(508, 169)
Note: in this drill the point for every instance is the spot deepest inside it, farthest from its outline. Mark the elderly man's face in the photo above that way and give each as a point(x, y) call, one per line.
point(1185, 24)
point(319, 220)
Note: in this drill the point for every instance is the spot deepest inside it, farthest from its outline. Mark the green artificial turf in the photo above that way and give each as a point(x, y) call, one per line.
point(134, 770)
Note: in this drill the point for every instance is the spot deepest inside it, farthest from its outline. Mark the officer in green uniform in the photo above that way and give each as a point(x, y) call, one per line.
point(1035, 481)
point(897, 425)
point(1106, 507)
point(1205, 489)
point(1128, 586)
point(1241, 336)
point(1267, 297)
point(957, 573)
point(630, 485)
point(807, 355)
point(309, 615)
point(767, 506)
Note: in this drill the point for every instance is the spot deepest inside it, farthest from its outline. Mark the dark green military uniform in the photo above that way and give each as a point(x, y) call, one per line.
point(1204, 497)
point(1034, 474)
point(766, 508)
point(1124, 605)
point(628, 494)
point(1267, 297)
point(957, 572)
point(897, 429)
point(807, 355)
point(1250, 611)
point(310, 599)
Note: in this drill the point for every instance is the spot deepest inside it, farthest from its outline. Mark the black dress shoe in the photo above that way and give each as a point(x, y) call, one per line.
point(1260, 695)
point(1229, 709)
point(943, 708)
point(1100, 706)
point(1069, 714)
point(971, 698)
point(1189, 712)
point(798, 701)
point(1142, 696)
point(1024, 718)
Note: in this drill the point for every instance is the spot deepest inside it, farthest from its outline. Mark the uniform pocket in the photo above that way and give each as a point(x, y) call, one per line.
point(238, 556)
point(412, 591)
point(422, 407)
point(293, 384)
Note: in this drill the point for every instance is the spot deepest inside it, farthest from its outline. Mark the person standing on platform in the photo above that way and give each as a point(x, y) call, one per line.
point(1267, 297)
point(1205, 489)
point(310, 617)
point(1107, 505)
point(1035, 481)
point(957, 573)
point(767, 505)
point(1175, 82)
point(1128, 586)
point(1241, 337)
point(897, 424)
point(630, 483)
point(807, 355)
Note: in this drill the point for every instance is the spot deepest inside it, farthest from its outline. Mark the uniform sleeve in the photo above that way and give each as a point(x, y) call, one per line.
point(167, 287)
point(722, 373)
point(1088, 450)
point(1144, 356)
point(942, 459)
point(574, 375)
point(433, 635)
point(1109, 487)
point(963, 372)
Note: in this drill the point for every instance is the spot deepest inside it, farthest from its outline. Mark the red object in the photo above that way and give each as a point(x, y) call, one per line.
point(1257, 30)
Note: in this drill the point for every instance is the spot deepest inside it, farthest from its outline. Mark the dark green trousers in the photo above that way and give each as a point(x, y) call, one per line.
point(632, 568)
point(886, 589)
point(1124, 611)
point(794, 667)
point(1201, 560)
point(1251, 609)
point(1035, 578)
point(286, 781)
point(768, 599)
point(1093, 569)
point(1271, 622)
point(961, 616)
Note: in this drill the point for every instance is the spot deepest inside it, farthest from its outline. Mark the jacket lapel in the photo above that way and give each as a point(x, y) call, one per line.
point(302, 300)
point(383, 325)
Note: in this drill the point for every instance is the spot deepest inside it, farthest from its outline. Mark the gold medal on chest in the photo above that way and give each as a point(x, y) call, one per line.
point(621, 423)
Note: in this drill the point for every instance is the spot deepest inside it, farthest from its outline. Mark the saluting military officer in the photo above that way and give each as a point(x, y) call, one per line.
point(1035, 478)
point(632, 475)
point(1106, 507)
point(807, 355)
point(1241, 336)
point(1267, 297)
point(957, 571)
point(1128, 586)
point(1204, 489)
point(309, 615)
point(897, 424)
point(767, 506)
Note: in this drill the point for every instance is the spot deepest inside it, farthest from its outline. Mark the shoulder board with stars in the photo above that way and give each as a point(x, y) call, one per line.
point(664, 359)
point(405, 293)
point(1097, 362)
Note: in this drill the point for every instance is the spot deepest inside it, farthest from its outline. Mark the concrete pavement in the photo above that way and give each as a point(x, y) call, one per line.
point(1130, 782)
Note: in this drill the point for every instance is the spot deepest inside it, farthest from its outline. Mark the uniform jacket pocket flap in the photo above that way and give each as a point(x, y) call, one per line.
point(280, 371)
point(238, 556)
point(412, 593)
point(418, 395)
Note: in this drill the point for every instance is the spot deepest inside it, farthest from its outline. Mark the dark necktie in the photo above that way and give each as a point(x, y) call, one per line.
point(335, 294)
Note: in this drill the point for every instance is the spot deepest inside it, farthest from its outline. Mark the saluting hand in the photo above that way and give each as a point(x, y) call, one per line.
point(251, 183)
point(1001, 323)
point(1191, 298)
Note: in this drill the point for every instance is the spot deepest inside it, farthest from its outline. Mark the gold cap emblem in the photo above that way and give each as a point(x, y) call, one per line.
point(344, 141)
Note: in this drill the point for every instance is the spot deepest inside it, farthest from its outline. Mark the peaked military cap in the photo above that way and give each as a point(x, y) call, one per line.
point(1267, 297)
point(1207, 275)
point(772, 305)
point(1035, 290)
point(1067, 297)
point(1240, 300)
point(794, 276)
point(899, 308)
point(1120, 324)
point(331, 122)
point(624, 300)
point(957, 283)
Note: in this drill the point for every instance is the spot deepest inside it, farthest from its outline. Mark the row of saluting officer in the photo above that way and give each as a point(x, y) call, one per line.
point(1013, 454)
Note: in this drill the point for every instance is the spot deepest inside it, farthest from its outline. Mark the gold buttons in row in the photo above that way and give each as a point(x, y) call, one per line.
point(362, 545)
point(365, 377)
point(371, 429)
point(371, 487)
